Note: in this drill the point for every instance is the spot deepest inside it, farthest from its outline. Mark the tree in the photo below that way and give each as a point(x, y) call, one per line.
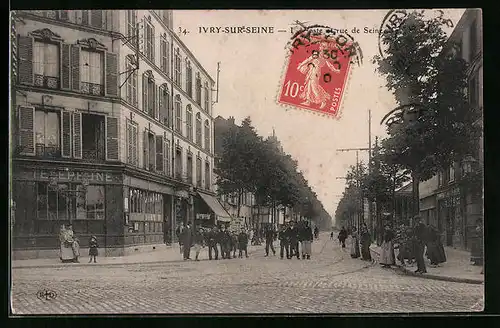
point(434, 126)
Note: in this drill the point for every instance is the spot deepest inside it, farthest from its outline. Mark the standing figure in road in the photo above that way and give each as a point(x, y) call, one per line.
point(293, 240)
point(366, 240)
point(212, 240)
point(435, 248)
point(342, 237)
point(419, 239)
point(186, 237)
point(387, 257)
point(354, 244)
point(270, 235)
point(225, 243)
point(283, 238)
point(242, 243)
point(477, 254)
point(307, 239)
point(198, 242)
point(178, 232)
point(331, 236)
point(316, 232)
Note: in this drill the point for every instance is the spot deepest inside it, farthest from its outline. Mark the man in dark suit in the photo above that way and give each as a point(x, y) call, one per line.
point(293, 240)
point(187, 240)
point(270, 235)
point(283, 238)
point(212, 240)
point(419, 239)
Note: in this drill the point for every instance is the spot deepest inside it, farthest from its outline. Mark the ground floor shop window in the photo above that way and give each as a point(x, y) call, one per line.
point(150, 204)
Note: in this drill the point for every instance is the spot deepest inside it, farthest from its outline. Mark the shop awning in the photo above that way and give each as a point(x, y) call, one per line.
point(215, 205)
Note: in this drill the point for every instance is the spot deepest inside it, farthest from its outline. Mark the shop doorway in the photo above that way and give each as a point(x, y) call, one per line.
point(167, 220)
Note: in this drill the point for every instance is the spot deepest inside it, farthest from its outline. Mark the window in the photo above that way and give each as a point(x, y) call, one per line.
point(149, 151)
point(198, 129)
point(198, 89)
point(178, 114)
point(177, 67)
point(164, 105)
point(178, 163)
point(47, 133)
point(167, 18)
point(207, 98)
point(150, 41)
point(189, 79)
point(207, 135)
point(189, 122)
point(93, 137)
point(452, 172)
point(190, 168)
point(167, 157)
point(46, 65)
point(132, 141)
point(198, 172)
point(440, 179)
point(208, 182)
point(94, 18)
point(131, 84)
point(148, 94)
point(95, 202)
point(131, 25)
point(164, 55)
point(91, 72)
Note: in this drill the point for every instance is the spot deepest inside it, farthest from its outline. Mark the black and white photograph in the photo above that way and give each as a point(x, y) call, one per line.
point(246, 162)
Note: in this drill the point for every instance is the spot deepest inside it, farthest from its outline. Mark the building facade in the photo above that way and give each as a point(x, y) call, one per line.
point(447, 201)
point(112, 131)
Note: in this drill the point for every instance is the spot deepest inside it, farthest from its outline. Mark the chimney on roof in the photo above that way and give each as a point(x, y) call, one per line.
point(231, 120)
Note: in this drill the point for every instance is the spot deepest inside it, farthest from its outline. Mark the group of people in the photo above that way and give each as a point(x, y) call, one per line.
point(290, 235)
point(215, 238)
point(360, 242)
point(69, 250)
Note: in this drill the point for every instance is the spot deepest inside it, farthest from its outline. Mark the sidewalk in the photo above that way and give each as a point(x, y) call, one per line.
point(166, 254)
point(457, 267)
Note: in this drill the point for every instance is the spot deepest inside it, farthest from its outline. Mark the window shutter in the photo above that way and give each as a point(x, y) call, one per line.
point(166, 157)
point(65, 69)
point(134, 145)
point(96, 18)
point(156, 103)
point(27, 130)
point(111, 74)
point(25, 60)
point(159, 154)
point(129, 143)
point(161, 113)
point(75, 68)
point(111, 138)
point(85, 17)
point(146, 150)
point(77, 135)
point(65, 134)
point(144, 93)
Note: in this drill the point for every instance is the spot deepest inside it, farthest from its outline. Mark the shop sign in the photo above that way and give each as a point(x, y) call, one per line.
point(202, 216)
point(74, 176)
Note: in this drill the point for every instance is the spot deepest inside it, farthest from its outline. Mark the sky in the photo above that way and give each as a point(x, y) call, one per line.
point(251, 68)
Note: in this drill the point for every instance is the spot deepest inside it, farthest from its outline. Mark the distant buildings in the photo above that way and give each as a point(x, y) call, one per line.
point(112, 131)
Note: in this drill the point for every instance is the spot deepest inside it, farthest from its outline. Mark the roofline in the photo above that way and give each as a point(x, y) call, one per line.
point(186, 49)
point(466, 18)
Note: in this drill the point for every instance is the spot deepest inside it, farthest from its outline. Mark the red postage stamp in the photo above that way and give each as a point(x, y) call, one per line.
point(317, 70)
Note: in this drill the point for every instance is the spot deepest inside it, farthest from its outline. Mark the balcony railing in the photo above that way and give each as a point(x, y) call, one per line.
point(93, 155)
point(91, 88)
point(44, 151)
point(50, 82)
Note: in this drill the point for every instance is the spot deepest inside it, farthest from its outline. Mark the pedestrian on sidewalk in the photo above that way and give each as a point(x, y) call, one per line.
point(419, 239)
point(242, 243)
point(307, 240)
point(316, 232)
point(198, 242)
point(477, 253)
point(387, 258)
point(270, 235)
point(93, 246)
point(366, 241)
point(178, 232)
point(354, 243)
point(225, 243)
point(283, 238)
point(212, 240)
point(342, 237)
point(293, 241)
point(435, 248)
point(186, 237)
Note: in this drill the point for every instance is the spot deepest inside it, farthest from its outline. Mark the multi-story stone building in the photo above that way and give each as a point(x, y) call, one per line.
point(112, 131)
point(445, 200)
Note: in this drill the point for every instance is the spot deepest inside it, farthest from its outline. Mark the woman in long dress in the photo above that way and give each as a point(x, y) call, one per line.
point(70, 247)
point(387, 257)
point(435, 249)
point(313, 92)
point(366, 241)
point(354, 244)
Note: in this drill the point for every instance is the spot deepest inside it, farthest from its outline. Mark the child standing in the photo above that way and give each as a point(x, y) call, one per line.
point(93, 248)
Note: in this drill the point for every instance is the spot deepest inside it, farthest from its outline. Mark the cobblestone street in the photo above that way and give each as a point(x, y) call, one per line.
point(330, 282)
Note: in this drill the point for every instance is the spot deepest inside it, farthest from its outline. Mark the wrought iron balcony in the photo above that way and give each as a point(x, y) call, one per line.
point(43, 151)
point(92, 88)
point(93, 155)
point(49, 82)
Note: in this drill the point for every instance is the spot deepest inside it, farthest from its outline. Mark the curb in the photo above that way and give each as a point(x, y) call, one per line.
point(408, 272)
point(64, 265)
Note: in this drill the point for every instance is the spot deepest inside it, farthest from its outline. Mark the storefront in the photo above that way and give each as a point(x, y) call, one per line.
point(209, 211)
point(450, 217)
